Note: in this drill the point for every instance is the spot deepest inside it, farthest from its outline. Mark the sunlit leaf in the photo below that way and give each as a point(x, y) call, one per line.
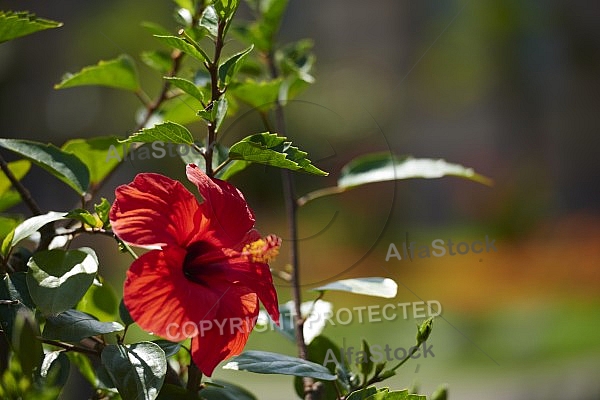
point(373, 286)
point(19, 169)
point(181, 44)
point(18, 24)
point(229, 67)
point(263, 362)
point(138, 370)
point(119, 73)
point(65, 166)
point(273, 150)
point(168, 132)
point(100, 154)
point(187, 86)
point(58, 279)
point(29, 227)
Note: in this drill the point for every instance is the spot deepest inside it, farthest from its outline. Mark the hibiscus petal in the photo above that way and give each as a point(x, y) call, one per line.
point(155, 210)
point(229, 331)
point(224, 205)
point(163, 301)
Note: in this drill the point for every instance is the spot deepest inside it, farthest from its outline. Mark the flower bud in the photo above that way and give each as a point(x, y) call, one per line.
point(424, 330)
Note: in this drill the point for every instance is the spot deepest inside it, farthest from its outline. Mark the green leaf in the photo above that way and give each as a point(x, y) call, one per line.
point(181, 109)
point(100, 301)
point(58, 279)
point(7, 225)
point(99, 154)
point(19, 169)
point(65, 166)
point(181, 44)
point(17, 24)
point(374, 286)
point(362, 394)
point(170, 348)
point(84, 216)
point(171, 391)
point(103, 211)
point(138, 370)
point(154, 28)
point(119, 73)
point(73, 326)
point(25, 341)
point(229, 67)
point(365, 363)
point(232, 168)
point(29, 227)
point(263, 362)
point(215, 112)
point(124, 314)
point(8, 199)
point(160, 61)
point(259, 95)
point(210, 21)
point(84, 366)
point(385, 394)
point(226, 8)
point(270, 149)
point(441, 393)
point(15, 297)
point(168, 132)
point(380, 167)
point(54, 370)
point(228, 391)
point(187, 86)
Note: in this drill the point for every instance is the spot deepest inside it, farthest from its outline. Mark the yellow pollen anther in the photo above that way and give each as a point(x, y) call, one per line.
point(263, 250)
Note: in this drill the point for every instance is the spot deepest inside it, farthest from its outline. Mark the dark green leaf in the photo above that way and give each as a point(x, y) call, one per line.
point(124, 314)
point(19, 169)
point(14, 296)
point(187, 86)
point(54, 370)
point(73, 326)
point(183, 45)
point(100, 154)
point(168, 132)
point(58, 279)
point(380, 167)
point(138, 370)
point(365, 362)
point(374, 286)
point(84, 365)
point(263, 362)
point(232, 168)
point(65, 166)
point(228, 391)
point(17, 24)
point(170, 348)
point(229, 67)
point(25, 341)
point(119, 73)
point(270, 149)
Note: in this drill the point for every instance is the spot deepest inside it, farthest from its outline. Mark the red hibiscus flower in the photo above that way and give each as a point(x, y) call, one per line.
point(208, 269)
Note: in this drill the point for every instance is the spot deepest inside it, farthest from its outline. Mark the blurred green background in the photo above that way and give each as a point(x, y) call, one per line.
point(509, 88)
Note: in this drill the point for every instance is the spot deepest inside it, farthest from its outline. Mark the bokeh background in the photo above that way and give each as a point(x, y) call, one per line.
point(510, 88)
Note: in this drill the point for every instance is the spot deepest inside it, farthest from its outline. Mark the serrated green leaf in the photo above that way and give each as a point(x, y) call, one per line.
point(19, 169)
point(118, 73)
point(73, 326)
point(138, 370)
point(65, 166)
point(84, 216)
point(263, 362)
point(373, 286)
point(362, 393)
point(168, 132)
point(100, 154)
point(229, 67)
point(17, 24)
point(380, 167)
point(183, 45)
point(58, 279)
point(270, 149)
point(187, 86)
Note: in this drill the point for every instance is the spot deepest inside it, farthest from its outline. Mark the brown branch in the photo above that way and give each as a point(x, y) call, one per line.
point(23, 192)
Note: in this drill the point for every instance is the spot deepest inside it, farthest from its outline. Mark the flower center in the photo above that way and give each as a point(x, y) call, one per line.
point(263, 250)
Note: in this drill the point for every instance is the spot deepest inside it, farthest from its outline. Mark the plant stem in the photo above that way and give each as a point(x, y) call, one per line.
point(23, 192)
point(70, 347)
point(194, 378)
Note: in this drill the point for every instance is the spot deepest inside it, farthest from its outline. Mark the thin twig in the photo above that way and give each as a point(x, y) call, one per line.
point(69, 347)
point(23, 192)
